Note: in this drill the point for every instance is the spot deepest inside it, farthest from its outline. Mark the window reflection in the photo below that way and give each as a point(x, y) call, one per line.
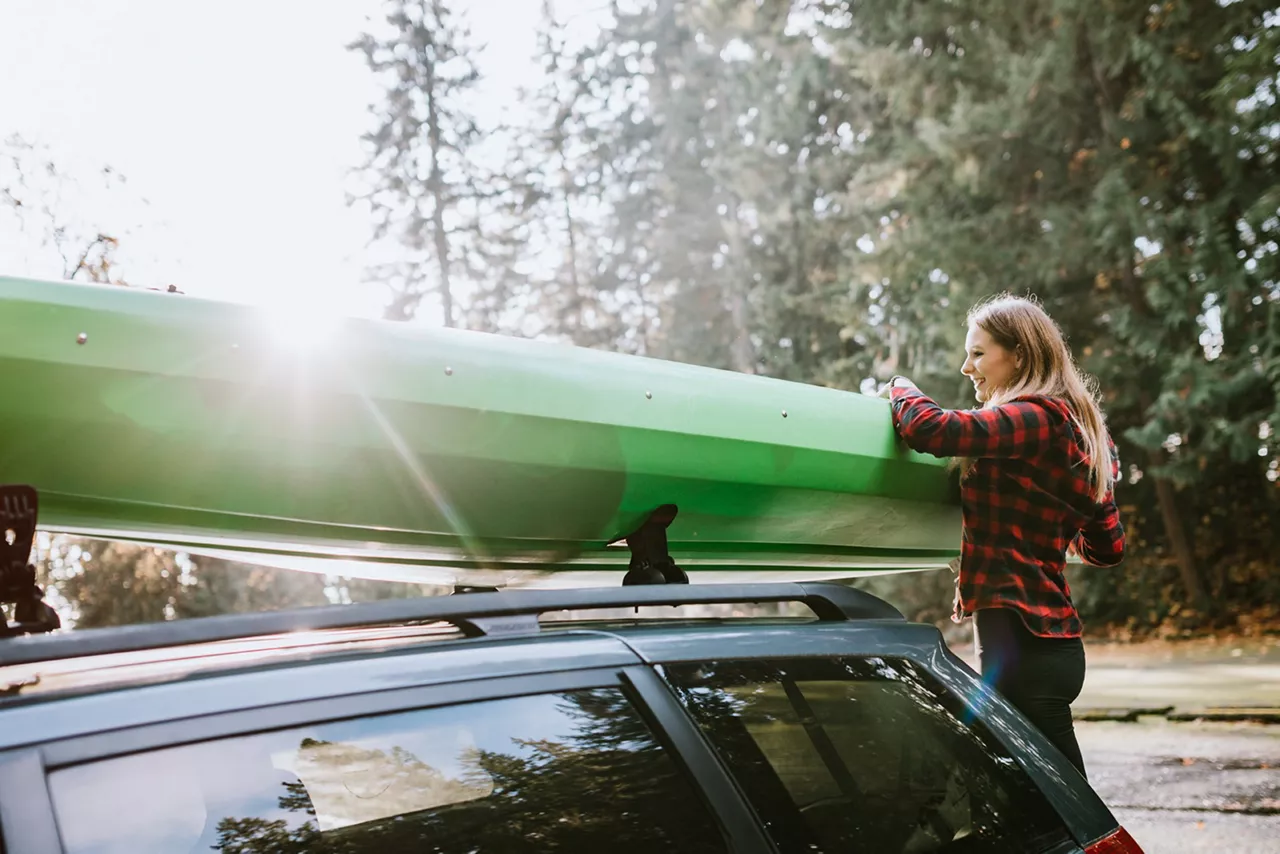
point(573, 770)
point(842, 754)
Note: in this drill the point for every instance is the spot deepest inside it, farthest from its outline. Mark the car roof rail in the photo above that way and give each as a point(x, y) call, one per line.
point(475, 614)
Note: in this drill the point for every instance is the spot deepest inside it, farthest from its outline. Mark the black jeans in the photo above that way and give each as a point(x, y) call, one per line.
point(1040, 676)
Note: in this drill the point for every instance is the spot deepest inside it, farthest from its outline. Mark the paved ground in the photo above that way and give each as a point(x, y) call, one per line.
point(1183, 785)
point(1187, 677)
point(1184, 788)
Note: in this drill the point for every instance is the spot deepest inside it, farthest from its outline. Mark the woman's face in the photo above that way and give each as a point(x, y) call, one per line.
point(987, 364)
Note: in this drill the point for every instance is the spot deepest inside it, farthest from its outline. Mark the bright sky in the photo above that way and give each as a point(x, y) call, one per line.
point(237, 121)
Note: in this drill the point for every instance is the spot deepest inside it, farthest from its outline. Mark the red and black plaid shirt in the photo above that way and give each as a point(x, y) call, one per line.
point(1026, 498)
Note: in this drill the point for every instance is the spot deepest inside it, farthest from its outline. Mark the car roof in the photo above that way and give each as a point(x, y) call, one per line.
point(59, 677)
point(474, 614)
point(110, 707)
point(51, 717)
point(101, 659)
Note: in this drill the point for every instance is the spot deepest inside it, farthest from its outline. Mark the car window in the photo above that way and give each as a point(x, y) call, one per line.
point(574, 771)
point(837, 754)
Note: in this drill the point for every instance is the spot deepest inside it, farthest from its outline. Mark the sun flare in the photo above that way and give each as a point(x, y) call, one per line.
point(300, 328)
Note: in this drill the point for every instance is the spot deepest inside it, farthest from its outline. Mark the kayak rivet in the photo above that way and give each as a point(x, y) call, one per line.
point(82, 338)
point(648, 395)
point(784, 413)
point(448, 372)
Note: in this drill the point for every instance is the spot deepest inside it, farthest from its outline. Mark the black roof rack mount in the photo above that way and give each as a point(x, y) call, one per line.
point(18, 505)
point(475, 614)
point(651, 562)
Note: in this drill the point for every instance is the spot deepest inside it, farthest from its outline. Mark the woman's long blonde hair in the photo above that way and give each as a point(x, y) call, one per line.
point(1020, 324)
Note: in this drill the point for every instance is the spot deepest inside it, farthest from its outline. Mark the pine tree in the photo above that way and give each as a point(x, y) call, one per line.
point(678, 246)
point(545, 280)
point(1079, 152)
point(422, 185)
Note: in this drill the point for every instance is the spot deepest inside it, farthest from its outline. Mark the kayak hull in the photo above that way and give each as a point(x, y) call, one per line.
point(179, 421)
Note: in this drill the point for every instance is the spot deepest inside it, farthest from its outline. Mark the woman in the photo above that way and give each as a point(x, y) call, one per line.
point(1037, 469)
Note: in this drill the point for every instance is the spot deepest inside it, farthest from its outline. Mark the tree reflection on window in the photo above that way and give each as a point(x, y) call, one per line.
point(573, 771)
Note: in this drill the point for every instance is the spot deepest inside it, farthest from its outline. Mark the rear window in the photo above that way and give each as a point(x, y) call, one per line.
point(837, 754)
point(574, 771)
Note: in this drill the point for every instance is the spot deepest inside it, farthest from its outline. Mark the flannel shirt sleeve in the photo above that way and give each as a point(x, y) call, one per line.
point(1022, 428)
point(1101, 541)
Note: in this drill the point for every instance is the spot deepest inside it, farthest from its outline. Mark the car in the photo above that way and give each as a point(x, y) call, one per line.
point(465, 723)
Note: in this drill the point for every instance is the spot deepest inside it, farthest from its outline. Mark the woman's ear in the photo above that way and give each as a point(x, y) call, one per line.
point(1017, 357)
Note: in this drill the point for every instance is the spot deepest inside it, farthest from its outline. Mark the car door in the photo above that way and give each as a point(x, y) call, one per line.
point(863, 752)
point(555, 761)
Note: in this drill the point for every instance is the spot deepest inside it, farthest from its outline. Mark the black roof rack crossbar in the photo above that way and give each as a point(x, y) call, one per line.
point(474, 613)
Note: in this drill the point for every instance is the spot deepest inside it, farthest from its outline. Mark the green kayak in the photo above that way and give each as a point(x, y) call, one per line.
point(185, 422)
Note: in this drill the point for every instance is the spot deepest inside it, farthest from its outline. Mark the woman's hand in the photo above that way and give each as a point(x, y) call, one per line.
point(896, 382)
